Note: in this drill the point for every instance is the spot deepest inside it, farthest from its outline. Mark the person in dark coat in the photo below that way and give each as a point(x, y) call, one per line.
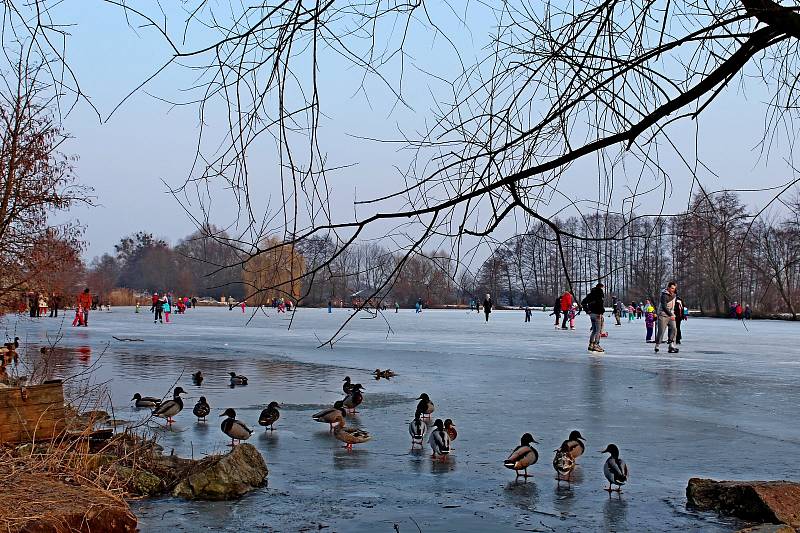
point(487, 306)
point(678, 318)
point(557, 310)
point(594, 305)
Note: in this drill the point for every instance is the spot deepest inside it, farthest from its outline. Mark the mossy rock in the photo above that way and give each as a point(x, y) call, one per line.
point(225, 477)
point(141, 482)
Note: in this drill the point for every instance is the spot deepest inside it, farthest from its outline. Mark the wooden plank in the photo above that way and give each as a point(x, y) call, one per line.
point(33, 412)
point(28, 418)
point(37, 394)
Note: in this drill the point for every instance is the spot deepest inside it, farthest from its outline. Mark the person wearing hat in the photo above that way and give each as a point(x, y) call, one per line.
point(594, 305)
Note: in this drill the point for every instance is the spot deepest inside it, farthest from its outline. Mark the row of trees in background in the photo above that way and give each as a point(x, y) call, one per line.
point(716, 251)
point(194, 266)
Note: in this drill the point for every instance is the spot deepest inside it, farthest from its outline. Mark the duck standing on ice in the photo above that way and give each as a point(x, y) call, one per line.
point(615, 469)
point(522, 456)
point(233, 428)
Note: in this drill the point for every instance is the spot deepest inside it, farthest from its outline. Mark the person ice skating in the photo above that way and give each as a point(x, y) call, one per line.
point(158, 311)
point(566, 305)
point(573, 312)
point(666, 317)
point(396, 307)
point(631, 312)
point(557, 311)
point(78, 321)
point(748, 314)
point(616, 308)
point(678, 318)
point(739, 311)
point(487, 306)
point(166, 308)
point(527, 313)
point(243, 304)
point(595, 306)
point(85, 300)
point(138, 308)
point(649, 322)
point(330, 306)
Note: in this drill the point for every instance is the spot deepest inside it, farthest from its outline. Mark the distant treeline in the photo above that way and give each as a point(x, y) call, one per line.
point(716, 251)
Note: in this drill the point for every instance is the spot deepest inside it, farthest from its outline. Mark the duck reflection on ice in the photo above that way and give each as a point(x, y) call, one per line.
point(347, 460)
point(522, 493)
point(615, 513)
point(443, 467)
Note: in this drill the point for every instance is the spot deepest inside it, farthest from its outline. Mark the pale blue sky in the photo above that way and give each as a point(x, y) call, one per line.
point(126, 158)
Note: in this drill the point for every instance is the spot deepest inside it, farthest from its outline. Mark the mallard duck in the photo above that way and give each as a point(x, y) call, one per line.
point(439, 441)
point(201, 409)
point(171, 407)
point(233, 428)
point(575, 444)
point(354, 399)
point(388, 373)
point(11, 346)
point(269, 416)
point(452, 432)
point(417, 429)
point(237, 379)
point(146, 401)
point(523, 456)
point(563, 463)
point(332, 415)
point(425, 406)
point(615, 469)
point(197, 378)
point(385, 374)
point(346, 385)
point(351, 436)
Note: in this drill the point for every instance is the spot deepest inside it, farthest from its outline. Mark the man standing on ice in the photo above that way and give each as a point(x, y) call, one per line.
point(666, 317)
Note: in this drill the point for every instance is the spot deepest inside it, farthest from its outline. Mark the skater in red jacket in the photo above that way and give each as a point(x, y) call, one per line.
point(566, 305)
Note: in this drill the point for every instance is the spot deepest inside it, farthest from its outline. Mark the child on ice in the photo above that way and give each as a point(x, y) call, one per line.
point(649, 322)
point(167, 309)
point(78, 316)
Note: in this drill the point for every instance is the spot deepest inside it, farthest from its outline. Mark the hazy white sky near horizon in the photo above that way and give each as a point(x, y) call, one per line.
point(146, 141)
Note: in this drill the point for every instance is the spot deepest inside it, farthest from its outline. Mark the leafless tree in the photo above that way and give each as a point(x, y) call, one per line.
point(600, 83)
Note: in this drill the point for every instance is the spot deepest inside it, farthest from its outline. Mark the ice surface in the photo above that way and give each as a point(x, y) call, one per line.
point(724, 407)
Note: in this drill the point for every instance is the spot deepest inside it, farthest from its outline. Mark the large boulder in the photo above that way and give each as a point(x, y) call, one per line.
point(774, 502)
point(224, 477)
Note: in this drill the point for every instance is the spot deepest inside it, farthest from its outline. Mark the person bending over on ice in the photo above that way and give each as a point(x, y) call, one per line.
point(666, 317)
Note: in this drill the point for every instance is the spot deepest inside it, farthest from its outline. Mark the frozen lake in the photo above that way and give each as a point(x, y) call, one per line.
point(724, 407)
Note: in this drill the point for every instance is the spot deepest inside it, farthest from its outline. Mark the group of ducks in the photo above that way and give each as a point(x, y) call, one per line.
point(334, 416)
point(442, 434)
point(525, 455)
point(235, 429)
